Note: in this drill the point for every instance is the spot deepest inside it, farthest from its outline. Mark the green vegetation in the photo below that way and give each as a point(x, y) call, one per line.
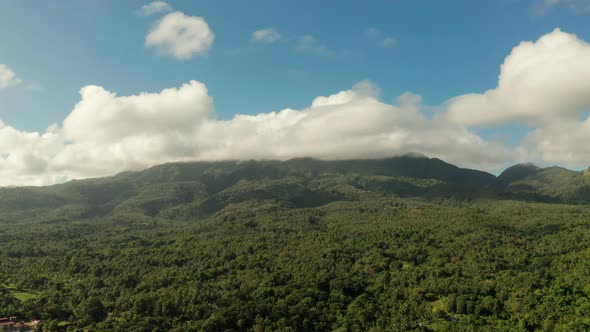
point(552, 184)
point(19, 294)
point(389, 245)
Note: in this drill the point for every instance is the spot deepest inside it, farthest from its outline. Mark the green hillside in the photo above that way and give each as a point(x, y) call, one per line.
point(399, 244)
point(551, 184)
point(185, 190)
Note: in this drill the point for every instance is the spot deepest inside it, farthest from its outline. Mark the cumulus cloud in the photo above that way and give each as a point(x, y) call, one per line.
point(266, 36)
point(180, 36)
point(155, 7)
point(563, 143)
point(106, 133)
point(25, 156)
point(7, 77)
point(544, 85)
point(102, 116)
point(539, 82)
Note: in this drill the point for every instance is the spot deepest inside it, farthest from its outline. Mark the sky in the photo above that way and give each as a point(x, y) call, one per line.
point(92, 88)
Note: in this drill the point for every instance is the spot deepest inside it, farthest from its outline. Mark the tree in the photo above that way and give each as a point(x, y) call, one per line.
point(91, 311)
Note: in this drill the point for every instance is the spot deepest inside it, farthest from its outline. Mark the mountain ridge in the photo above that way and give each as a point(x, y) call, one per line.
point(189, 190)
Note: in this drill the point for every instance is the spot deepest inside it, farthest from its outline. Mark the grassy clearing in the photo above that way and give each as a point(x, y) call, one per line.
point(21, 294)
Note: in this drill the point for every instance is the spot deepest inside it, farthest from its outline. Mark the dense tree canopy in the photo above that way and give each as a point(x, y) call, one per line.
point(258, 247)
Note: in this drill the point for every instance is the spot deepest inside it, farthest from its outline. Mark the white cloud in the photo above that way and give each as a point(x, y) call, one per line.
point(544, 85)
point(8, 78)
point(542, 7)
point(102, 116)
point(181, 36)
point(155, 7)
point(105, 134)
point(388, 42)
point(310, 44)
point(25, 156)
point(348, 124)
point(539, 82)
point(379, 38)
point(562, 142)
point(266, 36)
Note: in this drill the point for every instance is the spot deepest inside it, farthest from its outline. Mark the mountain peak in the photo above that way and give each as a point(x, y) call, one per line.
point(416, 155)
point(526, 165)
point(518, 172)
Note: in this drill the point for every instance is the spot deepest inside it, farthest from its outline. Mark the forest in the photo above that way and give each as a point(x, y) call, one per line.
point(399, 244)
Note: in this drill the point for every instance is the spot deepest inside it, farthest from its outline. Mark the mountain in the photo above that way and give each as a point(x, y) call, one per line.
point(551, 184)
point(199, 189)
point(518, 172)
point(196, 189)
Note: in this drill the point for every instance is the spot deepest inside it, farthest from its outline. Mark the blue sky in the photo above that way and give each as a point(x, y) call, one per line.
point(442, 49)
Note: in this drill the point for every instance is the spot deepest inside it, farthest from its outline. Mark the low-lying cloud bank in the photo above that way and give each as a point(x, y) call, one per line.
point(106, 133)
point(543, 84)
